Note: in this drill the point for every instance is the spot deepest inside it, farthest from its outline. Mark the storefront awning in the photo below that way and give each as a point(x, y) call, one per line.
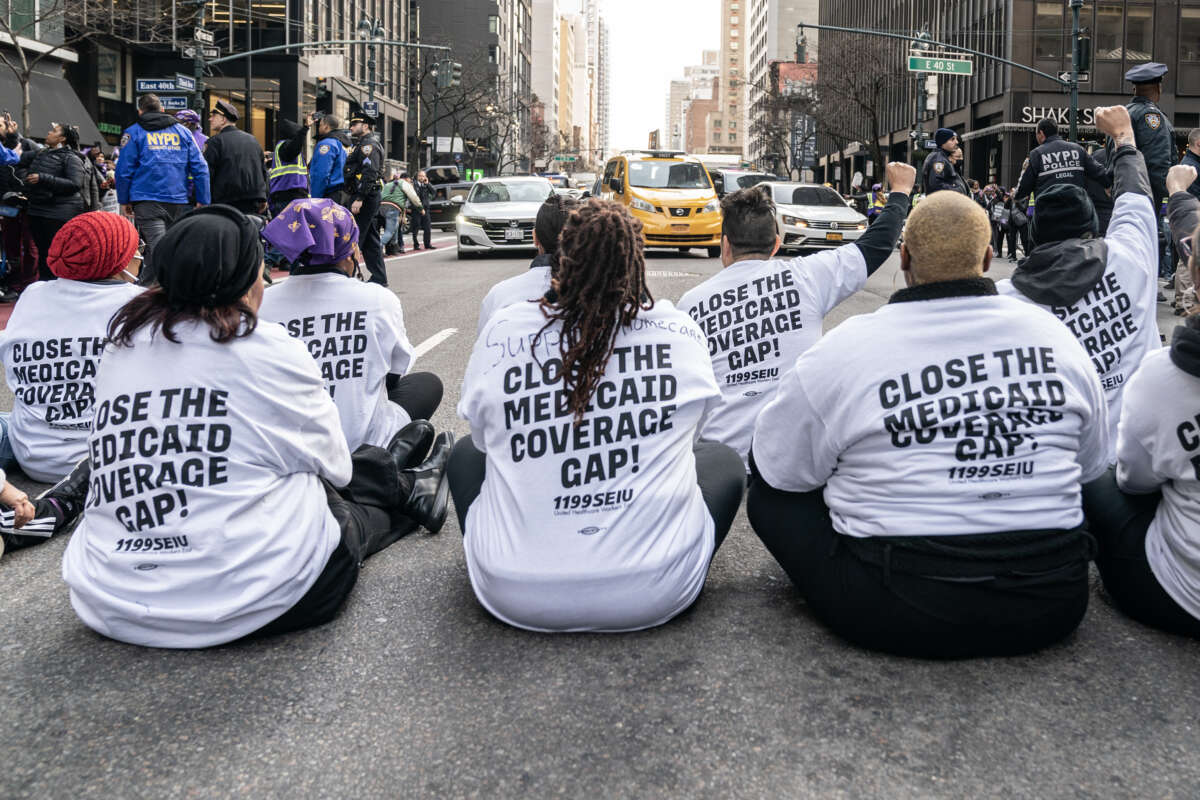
point(1012, 127)
point(50, 100)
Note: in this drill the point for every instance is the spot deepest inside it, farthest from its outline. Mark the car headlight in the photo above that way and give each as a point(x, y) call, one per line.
point(790, 220)
point(641, 205)
point(471, 220)
point(713, 205)
point(862, 226)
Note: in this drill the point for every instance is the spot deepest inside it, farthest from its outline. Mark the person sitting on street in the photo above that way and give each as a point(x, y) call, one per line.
point(759, 315)
point(1103, 289)
point(1146, 515)
point(354, 330)
point(52, 349)
point(534, 282)
point(918, 473)
point(213, 460)
point(585, 501)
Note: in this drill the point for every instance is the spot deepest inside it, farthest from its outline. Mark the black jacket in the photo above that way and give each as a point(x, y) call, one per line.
point(56, 195)
point(1155, 140)
point(1190, 159)
point(235, 167)
point(1098, 191)
point(425, 191)
point(938, 173)
point(1058, 161)
point(364, 168)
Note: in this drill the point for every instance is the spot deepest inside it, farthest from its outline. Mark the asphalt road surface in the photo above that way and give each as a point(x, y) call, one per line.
point(416, 691)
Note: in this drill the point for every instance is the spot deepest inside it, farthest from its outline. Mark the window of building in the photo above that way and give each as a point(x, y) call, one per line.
point(108, 72)
point(716, 138)
point(1047, 42)
point(1189, 34)
point(1139, 32)
point(733, 33)
point(1109, 23)
point(716, 124)
point(493, 23)
point(733, 124)
point(733, 45)
point(733, 20)
point(733, 138)
point(492, 54)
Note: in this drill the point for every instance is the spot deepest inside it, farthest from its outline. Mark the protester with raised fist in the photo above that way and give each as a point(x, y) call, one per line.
point(758, 315)
point(585, 501)
point(1102, 288)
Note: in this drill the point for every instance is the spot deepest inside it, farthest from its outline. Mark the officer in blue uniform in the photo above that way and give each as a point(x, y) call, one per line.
point(939, 173)
point(364, 190)
point(325, 172)
point(1152, 130)
point(158, 157)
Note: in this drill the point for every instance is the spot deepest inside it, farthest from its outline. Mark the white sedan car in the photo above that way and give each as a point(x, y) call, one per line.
point(499, 213)
point(811, 216)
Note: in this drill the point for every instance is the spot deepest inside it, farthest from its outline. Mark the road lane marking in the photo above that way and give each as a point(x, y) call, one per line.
point(658, 273)
point(433, 341)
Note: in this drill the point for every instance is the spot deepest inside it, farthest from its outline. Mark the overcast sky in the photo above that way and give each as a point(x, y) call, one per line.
point(651, 41)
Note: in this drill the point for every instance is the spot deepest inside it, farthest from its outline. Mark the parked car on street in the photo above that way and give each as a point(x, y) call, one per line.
point(447, 185)
point(731, 180)
point(811, 216)
point(498, 214)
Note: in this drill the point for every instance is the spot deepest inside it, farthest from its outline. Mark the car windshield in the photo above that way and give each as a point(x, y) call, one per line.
point(510, 192)
point(668, 175)
point(746, 181)
point(560, 181)
point(808, 196)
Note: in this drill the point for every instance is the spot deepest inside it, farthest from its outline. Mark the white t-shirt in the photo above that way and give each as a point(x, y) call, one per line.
point(759, 316)
point(967, 414)
point(355, 331)
point(51, 350)
point(1116, 321)
point(600, 526)
point(529, 285)
point(206, 518)
point(1158, 447)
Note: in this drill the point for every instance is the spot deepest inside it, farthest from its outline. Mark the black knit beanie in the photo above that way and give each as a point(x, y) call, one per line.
point(1063, 212)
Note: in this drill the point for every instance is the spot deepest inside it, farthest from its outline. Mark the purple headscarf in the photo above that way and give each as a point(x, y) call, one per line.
point(313, 231)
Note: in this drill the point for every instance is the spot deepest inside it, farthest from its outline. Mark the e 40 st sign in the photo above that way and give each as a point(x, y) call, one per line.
point(949, 66)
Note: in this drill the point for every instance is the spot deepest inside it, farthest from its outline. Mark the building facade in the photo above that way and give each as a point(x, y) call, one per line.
point(544, 59)
point(996, 109)
point(726, 125)
point(677, 96)
point(771, 36)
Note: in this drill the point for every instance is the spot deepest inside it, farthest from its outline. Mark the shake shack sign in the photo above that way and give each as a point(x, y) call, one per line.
point(1061, 115)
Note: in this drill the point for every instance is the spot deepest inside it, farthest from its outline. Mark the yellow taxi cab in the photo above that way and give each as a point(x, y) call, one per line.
point(671, 193)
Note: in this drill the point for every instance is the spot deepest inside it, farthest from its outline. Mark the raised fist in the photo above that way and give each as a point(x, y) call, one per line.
point(1180, 177)
point(1114, 121)
point(901, 177)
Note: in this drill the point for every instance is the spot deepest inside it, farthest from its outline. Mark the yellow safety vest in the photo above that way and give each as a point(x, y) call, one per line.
point(279, 169)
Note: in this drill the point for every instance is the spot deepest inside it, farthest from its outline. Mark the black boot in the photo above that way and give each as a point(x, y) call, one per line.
point(425, 488)
point(410, 445)
point(56, 510)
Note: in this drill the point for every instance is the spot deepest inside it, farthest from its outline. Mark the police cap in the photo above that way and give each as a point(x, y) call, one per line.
point(226, 109)
point(1150, 72)
point(356, 118)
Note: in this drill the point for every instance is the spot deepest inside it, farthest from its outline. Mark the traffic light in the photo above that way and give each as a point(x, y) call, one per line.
point(455, 74)
point(1085, 53)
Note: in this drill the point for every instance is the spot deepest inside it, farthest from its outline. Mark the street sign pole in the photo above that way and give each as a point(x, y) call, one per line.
point(198, 59)
point(1075, 6)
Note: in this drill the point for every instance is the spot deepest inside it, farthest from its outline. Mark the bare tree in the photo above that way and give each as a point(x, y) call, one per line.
point(781, 107)
point(852, 91)
point(38, 29)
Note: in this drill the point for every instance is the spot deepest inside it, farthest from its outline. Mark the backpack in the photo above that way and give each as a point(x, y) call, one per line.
point(90, 192)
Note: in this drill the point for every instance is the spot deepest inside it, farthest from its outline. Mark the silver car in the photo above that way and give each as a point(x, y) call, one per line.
point(811, 216)
point(499, 213)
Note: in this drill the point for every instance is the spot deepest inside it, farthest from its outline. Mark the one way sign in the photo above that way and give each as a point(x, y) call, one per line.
point(1084, 77)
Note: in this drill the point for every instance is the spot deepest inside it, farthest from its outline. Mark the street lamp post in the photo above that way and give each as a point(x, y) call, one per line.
point(1075, 6)
point(371, 32)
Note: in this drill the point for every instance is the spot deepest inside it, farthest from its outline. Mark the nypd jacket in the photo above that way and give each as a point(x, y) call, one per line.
point(364, 168)
point(1059, 161)
point(1155, 140)
point(158, 155)
point(328, 162)
point(938, 173)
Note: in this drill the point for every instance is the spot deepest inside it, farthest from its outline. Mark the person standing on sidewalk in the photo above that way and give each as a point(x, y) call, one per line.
point(158, 157)
point(363, 178)
point(288, 176)
point(54, 184)
point(19, 249)
point(325, 173)
point(393, 205)
point(420, 215)
point(235, 160)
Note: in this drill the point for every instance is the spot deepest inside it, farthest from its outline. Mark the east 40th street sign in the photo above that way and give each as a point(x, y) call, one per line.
point(948, 66)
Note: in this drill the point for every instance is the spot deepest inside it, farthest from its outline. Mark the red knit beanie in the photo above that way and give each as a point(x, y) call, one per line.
point(92, 246)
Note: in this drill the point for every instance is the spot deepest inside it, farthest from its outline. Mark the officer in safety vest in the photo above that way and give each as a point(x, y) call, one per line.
point(364, 188)
point(288, 177)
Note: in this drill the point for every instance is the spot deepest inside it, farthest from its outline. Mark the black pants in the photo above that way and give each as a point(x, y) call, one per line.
point(719, 472)
point(280, 200)
point(152, 219)
point(368, 239)
point(418, 393)
point(43, 230)
point(1119, 522)
point(250, 205)
point(421, 221)
point(929, 597)
point(1002, 234)
point(366, 512)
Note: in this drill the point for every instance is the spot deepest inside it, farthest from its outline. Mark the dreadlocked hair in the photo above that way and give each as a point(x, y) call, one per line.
point(601, 288)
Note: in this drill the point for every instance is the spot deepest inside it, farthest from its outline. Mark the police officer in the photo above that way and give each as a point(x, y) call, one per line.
point(235, 160)
point(364, 186)
point(1056, 160)
point(158, 157)
point(1152, 130)
point(287, 180)
point(939, 173)
point(325, 173)
point(1191, 158)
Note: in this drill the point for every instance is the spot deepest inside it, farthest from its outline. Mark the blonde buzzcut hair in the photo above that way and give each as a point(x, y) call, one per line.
point(947, 237)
